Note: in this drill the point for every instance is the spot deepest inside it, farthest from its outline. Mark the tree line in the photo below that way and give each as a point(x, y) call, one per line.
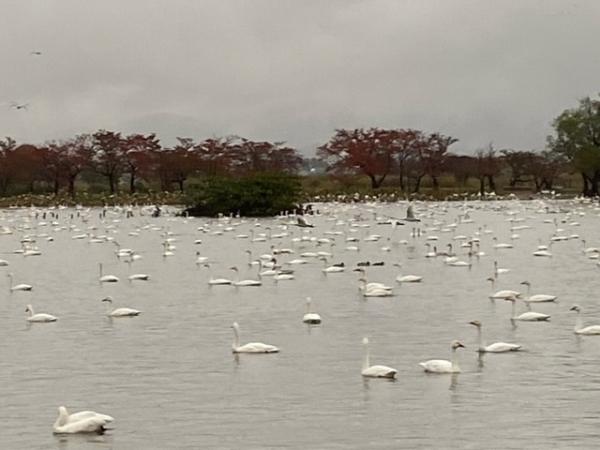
point(405, 156)
point(137, 159)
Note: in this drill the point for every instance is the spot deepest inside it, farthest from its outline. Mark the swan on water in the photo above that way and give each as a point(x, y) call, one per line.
point(251, 347)
point(106, 278)
point(81, 422)
point(443, 365)
point(371, 285)
point(243, 283)
point(579, 328)
point(216, 281)
point(538, 298)
point(529, 316)
point(373, 291)
point(18, 287)
point(119, 312)
point(497, 347)
point(310, 317)
point(138, 276)
point(376, 371)
point(40, 317)
point(503, 294)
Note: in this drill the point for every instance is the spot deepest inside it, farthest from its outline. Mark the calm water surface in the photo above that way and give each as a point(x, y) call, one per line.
point(170, 380)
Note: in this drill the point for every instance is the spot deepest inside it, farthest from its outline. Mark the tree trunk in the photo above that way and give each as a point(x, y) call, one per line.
point(586, 185)
point(72, 186)
point(55, 186)
point(180, 183)
point(594, 184)
point(491, 183)
point(435, 184)
point(401, 173)
point(417, 187)
point(482, 185)
point(132, 181)
point(111, 183)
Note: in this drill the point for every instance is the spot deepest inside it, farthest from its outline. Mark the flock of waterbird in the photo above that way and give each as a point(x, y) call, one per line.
point(308, 245)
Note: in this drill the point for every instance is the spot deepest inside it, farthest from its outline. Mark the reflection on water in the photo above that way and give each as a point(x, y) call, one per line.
point(169, 378)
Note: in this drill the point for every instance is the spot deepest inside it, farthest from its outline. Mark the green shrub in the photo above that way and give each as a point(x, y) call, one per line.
point(260, 195)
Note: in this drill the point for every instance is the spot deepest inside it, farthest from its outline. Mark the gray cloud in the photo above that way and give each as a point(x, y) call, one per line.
point(479, 70)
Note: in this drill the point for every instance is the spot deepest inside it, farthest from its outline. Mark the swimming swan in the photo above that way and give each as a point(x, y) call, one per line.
point(81, 422)
point(579, 328)
point(375, 371)
point(310, 317)
point(252, 347)
point(40, 317)
point(18, 287)
point(119, 312)
point(442, 365)
point(497, 347)
point(538, 298)
point(529, 316)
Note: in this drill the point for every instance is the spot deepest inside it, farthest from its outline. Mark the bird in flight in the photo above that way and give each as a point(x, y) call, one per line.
point(16, 105)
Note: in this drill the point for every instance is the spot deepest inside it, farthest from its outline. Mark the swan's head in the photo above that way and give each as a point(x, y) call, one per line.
point(476, 323)
point(365, 341)
point(107, 299)
point(308, 300)
point(359, 269)
point(511, 299)
point(489, 279)
point(28, 308)
point(235, 269)
point(575, 308)
point(235, 326)
point(457, 344)
point(526, 283)
point(248, 251)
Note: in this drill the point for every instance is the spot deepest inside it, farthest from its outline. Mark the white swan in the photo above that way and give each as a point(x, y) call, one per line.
point(106, 278)
point(374, 291)
point(119, 312)
point(538, 298)
point(330, 269)
point(139, 276)
point(409, 279)
point(443, 365)
point(503, 294)
point(216, 281)
point(373, 284)
point(529, 316)
point(40, 317)
point(310, 317)
point(579, 328)
point(18, 287)
point(375, 371)
point(81, 422)
point(243, 283)
point(252, 347)
point(497, 347)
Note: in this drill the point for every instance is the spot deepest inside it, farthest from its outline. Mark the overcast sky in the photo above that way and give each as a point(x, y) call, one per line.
point(479, 70)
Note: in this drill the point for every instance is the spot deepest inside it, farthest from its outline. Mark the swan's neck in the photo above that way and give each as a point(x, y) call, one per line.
point(528, 290)
point(31, 313)
point(307, 307)
point(236, 338)
point(366, 363)
point(108, 307)
point(454, 361)
point(578, 322)
point(479, 338)
point(61, 420)
point(514, 310)
point(100, 269)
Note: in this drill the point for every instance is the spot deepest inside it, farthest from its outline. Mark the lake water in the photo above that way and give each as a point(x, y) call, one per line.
point(169, 377)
